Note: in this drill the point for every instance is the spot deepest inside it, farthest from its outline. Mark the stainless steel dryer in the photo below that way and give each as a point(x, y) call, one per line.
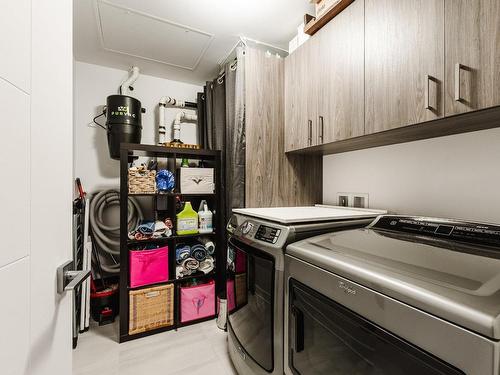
point(406, 295)
point(255, 285)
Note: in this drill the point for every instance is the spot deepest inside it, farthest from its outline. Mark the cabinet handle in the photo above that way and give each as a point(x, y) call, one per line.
point(458, 70)
point(310, 136)
point(427, 91)
point(321, 129)
point(299, 329)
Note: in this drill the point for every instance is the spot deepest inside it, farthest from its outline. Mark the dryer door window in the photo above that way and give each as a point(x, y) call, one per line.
point(327, 338)
point(250, 295)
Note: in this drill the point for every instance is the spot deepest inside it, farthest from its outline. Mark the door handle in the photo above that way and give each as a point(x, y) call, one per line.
point(458, 70)
point(310, 136)
point(299, 329)
point(68, 279)
point(321, 129)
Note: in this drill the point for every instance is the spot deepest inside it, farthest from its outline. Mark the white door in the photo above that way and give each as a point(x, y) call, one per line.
point(36, 185)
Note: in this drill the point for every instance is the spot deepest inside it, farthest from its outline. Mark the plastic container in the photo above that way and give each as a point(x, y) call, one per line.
point(197, 302)
point(205, 218)
point(187, 220)
point(148, 266)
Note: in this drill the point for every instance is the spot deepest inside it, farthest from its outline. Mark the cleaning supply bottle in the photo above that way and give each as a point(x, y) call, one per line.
point(205, 218)
point(187, 220)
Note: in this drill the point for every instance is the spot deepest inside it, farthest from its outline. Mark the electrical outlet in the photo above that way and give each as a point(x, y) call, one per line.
point(360, 200)
point(343, 200)
point(357, 200)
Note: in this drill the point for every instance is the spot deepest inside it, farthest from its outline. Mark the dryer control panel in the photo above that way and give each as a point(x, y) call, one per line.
point(267, 234)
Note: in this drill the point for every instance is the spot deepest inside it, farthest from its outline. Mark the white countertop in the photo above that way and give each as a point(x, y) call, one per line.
point(308, 214)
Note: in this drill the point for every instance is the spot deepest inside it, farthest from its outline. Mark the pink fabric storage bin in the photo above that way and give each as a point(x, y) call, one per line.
point(148, 266)
point(231, 299)
point(240, 262)
point(197, 301)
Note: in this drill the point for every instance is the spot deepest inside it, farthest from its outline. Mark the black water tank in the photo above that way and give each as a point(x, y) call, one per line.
point(123, 120)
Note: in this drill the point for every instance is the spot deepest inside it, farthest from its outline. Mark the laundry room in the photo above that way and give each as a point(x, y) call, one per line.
point(250, 187)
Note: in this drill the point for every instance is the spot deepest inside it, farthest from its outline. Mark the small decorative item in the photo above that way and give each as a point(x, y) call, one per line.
point(165, 180)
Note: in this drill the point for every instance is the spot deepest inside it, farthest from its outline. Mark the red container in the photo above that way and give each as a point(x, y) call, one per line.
point(148, 266)
point(197, 302)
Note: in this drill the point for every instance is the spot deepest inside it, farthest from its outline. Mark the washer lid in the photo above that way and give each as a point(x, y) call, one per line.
point(309, 214)
point(449, 279)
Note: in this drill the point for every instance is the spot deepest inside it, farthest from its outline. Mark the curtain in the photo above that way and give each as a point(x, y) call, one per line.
point(225, 128)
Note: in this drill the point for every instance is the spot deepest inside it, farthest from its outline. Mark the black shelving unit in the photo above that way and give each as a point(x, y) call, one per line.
point(212, 159)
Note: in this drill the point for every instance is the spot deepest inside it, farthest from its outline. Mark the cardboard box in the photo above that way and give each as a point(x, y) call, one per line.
point(323, 6)
point(196, 180)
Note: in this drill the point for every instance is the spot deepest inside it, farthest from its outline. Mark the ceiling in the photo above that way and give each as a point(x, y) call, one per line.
point(182, 40)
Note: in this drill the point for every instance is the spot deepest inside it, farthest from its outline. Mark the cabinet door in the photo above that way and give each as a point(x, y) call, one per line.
point(300, 97)
point(404, 57)
point(341, 100)
point(472, 55)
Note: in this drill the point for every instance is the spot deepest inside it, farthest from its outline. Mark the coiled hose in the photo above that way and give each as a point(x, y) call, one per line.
point(107, 237)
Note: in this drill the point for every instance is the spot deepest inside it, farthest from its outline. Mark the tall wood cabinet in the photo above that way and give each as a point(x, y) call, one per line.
point(404, 62)
point(276, 179)
point(472, 55)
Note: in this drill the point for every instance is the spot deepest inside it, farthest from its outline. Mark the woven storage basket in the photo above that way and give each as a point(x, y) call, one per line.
point(240, 283)
point(141, 180)
point(151, 308)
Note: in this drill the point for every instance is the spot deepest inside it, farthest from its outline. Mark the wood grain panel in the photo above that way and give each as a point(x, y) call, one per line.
point(404, 43)
point(301, 96)
point(273, 178)
point(472, 39)
point(341, 100)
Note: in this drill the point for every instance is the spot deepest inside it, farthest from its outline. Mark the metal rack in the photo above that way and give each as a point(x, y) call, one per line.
point(130, 152)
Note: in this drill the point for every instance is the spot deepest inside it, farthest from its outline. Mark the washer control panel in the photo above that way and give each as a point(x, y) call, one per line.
point(267, 234)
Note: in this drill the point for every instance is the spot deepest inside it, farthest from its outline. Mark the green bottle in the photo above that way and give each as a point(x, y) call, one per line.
point(185, 163)
point(187, 220)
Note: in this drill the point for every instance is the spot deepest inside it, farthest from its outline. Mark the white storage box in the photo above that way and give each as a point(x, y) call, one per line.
point(197, 180)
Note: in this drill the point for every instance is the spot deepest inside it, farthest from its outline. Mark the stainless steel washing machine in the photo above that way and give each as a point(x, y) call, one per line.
point(255, 287)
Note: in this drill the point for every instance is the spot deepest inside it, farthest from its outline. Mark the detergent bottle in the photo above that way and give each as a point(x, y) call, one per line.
point(187, 220)
point(205, 218)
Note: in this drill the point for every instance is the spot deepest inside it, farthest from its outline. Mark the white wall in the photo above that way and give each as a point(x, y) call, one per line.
point(15, 97)
point(456, 176)
point(36, 97)
point(92, 84)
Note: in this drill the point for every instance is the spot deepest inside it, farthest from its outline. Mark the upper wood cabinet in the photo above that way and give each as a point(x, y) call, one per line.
point(340, 71)
point(404, 62)
point(301, 99)
point(387, 64)
point(324, 83)
point(472, 55)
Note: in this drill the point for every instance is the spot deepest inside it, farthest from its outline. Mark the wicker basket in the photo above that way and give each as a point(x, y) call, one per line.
point(241, 289)
point(141, 180)
point(151, 308)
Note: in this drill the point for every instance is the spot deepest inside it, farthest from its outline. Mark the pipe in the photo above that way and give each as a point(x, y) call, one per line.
point(177, 123)
point(167, 100)
point(126, 86)
point(164, 101)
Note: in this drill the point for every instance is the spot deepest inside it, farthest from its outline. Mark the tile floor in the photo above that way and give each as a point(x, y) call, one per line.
point(197, 349)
